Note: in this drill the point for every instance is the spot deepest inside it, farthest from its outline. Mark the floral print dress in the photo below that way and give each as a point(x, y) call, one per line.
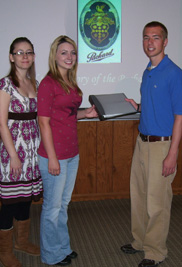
point(25, 134)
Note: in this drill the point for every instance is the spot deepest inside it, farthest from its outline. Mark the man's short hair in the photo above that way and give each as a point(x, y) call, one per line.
point(157, 24)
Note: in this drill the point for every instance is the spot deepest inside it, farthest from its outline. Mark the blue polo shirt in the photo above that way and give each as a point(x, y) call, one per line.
point(161, 98)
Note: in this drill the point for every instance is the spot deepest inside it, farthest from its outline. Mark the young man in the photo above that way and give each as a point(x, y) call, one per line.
point(155, 156)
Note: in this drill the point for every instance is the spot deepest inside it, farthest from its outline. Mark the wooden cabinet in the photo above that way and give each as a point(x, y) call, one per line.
point(106, 149)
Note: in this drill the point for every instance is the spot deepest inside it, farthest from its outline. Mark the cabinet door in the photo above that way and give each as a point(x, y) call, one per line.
point(124, 137)
point(86, 177)
point(104, 157)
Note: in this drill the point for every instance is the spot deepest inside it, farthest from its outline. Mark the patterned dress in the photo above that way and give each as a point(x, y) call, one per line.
point(24, 130)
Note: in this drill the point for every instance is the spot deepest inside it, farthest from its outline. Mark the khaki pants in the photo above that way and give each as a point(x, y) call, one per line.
point(151, 197)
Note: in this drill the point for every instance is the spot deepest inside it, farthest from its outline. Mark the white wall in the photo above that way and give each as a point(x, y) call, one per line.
point(43, 20)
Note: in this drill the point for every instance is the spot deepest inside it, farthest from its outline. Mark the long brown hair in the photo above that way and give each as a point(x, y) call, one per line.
point(53, 69)
point(31, 71)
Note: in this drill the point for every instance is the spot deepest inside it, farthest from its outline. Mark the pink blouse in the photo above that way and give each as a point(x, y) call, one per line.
point(62, 108)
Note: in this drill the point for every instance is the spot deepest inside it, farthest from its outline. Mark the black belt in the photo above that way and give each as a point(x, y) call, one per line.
point(152, 138)
point(22, 116)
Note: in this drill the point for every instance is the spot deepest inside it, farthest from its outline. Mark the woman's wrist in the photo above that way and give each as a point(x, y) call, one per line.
point(85, 113)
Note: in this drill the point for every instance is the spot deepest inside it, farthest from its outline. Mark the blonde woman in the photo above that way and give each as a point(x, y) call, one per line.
point(59, 98)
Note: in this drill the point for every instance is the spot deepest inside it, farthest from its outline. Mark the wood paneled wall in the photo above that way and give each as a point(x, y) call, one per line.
point(106, 149)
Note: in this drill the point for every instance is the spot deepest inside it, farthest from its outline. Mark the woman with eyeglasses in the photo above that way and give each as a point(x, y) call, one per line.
point(20, 180)
point(59, 98)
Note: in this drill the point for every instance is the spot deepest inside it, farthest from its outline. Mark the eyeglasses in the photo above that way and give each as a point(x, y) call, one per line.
point(22, 53)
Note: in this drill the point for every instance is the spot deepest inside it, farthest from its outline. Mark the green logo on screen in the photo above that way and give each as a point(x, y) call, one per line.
point(99, 24)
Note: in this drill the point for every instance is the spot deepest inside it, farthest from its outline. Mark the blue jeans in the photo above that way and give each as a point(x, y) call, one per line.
point(54, 236)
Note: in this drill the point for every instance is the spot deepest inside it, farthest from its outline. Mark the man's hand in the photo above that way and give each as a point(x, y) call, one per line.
point(169, 165)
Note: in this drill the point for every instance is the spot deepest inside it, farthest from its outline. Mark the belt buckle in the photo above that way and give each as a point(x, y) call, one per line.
point(146, 138)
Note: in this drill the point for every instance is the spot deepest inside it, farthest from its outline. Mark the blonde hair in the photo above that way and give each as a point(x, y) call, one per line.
point(53, 69)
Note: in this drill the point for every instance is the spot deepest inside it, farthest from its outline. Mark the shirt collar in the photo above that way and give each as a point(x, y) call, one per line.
point(160, 65)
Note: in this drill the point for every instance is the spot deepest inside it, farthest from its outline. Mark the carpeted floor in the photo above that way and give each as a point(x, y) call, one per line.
point(99, 228)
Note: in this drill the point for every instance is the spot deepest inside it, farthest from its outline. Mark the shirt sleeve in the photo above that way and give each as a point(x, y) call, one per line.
point(6, 85)
point(45, 97)
point(177, 93)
